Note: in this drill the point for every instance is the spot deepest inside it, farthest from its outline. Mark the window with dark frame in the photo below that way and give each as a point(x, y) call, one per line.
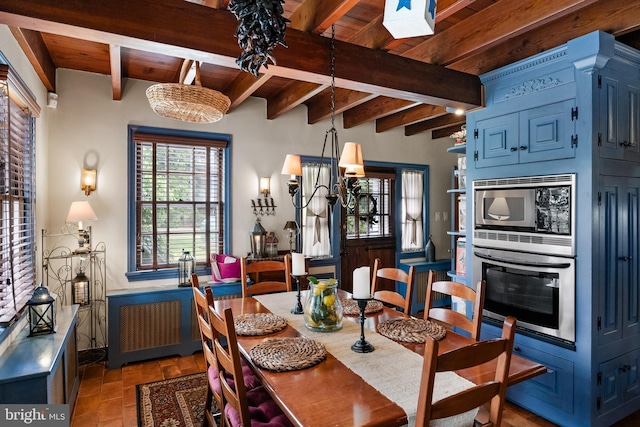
point(371, 215)
point(180, 199)
point(18, 110)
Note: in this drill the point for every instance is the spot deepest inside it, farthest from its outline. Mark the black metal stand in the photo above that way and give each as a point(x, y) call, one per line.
point(298, 308)
point(362, 345)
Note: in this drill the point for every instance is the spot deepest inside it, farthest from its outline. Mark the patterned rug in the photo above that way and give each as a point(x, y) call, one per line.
point(172, 403)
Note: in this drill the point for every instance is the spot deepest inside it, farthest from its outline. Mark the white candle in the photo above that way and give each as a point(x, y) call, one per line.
point(361, 283)
point(297, 264)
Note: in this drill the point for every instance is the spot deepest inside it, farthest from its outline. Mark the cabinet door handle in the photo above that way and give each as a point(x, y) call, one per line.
point(523, 147)
point(513, 149)
point(516, 348)
point(624, 258)
point(625, 143)
point(625, 368)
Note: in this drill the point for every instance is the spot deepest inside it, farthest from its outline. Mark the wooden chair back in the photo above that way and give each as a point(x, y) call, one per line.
point(450, 316)
point(202, 303)
point(227, 354)
point(265, 286)
point(462, 358)
point(396, 275)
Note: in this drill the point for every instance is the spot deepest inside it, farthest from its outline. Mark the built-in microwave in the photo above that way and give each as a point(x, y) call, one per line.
point(533, 214)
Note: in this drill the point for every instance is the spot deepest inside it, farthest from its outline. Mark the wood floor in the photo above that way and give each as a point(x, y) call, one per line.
point(107, 398)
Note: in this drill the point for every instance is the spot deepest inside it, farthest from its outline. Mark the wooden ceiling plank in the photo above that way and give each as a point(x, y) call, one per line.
point(243, 86)
point(116, 71)
point(320, 108)
point(374, 109)
point(408, 116)
point(434, 123)
point(294, 94)
point(38, 55)
point(501, 22)
point(187, 30)
point(613, 16)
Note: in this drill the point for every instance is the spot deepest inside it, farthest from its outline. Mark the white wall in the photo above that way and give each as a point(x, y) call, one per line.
point(88, 126)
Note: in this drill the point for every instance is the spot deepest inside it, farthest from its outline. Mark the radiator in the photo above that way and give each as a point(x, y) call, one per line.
point(195, 328)
point(420, 285)
point(149, 325)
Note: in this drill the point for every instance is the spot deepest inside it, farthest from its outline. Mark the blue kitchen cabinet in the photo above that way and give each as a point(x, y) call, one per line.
point(575, 109)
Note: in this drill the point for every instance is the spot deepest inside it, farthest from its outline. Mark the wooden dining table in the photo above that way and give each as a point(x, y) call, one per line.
point(331, 394)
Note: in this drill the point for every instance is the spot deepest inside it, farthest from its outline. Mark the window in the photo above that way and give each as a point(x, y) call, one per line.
point(316, 239)
point(412, 208)
point(371, 214)
point(18, 110)
point(180, 195)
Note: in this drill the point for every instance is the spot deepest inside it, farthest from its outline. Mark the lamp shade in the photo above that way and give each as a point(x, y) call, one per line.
point(351, 159)
point(292, 165)
point(81, 211)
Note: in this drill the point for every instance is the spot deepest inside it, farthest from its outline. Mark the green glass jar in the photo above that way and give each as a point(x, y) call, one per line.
point(322, 307)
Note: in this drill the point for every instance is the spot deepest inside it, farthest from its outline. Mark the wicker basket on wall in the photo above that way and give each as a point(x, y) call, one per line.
point(189, 103)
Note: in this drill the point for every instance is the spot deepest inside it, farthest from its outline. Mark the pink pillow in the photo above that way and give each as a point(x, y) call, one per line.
point(225, 268)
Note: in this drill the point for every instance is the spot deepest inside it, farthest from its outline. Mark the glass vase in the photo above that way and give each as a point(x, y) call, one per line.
point(322, 307)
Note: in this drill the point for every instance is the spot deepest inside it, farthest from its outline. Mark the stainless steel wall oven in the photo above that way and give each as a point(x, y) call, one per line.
point(538, 290)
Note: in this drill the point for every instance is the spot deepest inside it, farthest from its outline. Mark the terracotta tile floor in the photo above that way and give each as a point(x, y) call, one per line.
point(107, 397)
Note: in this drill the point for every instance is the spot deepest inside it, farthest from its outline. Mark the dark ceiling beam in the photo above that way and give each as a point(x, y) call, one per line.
point(38, 55)
point(115, 59)
point(243, 86)
point(292, 95)
point(444, 132)
point(344, 99)
point(434, 123)
point(408, 116)
point(374, 109)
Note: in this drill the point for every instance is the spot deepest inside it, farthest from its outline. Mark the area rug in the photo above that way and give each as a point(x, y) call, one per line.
point(172, 403)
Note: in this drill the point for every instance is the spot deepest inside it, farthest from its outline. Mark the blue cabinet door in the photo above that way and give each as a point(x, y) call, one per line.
point(619, 116)
point(496, 141)
point(547, 132)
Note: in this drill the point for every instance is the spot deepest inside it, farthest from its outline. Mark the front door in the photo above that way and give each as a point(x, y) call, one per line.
point(368, 225)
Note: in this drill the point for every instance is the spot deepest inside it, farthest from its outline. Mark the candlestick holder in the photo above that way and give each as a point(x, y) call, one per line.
point(362, 345)
point(298, 308)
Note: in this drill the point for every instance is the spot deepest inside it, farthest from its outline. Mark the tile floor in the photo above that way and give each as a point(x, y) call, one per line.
point(107, 397)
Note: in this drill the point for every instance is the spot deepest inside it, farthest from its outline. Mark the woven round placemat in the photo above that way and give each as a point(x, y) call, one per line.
point(411, 330)
point(288, 354)
point(350, 307)
point(258, 323)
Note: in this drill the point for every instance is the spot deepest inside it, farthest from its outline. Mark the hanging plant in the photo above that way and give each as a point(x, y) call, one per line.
point(261, 29)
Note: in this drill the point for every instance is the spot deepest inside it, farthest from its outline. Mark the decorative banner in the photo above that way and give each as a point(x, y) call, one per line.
point(409, 18)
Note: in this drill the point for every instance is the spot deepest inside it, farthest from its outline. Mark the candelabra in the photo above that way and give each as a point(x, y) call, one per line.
point(362, 345)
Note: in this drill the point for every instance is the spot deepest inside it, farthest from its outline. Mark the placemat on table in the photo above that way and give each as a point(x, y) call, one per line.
point(258, 323)
point(350, 307)
point(288, 354)
point(411, 330)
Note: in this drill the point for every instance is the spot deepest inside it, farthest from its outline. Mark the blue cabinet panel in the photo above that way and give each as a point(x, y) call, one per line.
point(618, 381)
point(497, 141)
point(546, 132)
point(619, 134)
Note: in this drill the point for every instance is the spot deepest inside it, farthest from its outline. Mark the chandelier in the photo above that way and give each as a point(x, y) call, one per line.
point(343, 182)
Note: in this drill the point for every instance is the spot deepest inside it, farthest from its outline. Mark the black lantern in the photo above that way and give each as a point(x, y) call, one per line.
point(258, 240)
point(186, 265)
point(80, 289)
point(42, 312)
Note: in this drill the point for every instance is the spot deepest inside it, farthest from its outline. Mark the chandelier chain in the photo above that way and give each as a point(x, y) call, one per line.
point(333, 74)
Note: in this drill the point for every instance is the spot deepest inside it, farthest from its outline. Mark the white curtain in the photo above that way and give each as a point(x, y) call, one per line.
point(412, 201)
point(315, 217)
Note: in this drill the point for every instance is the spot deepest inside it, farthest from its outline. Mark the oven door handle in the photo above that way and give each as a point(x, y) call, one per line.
point(523, 263)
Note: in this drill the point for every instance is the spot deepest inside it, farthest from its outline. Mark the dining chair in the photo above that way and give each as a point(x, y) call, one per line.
point(202, 302)
point(397, 275)
point(241, 406)
point(265, 286)
point(452, 317)
point(470, 356)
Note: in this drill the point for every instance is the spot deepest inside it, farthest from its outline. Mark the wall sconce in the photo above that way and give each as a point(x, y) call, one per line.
point(88, 181)
point(266, 205)
point(293, 167)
